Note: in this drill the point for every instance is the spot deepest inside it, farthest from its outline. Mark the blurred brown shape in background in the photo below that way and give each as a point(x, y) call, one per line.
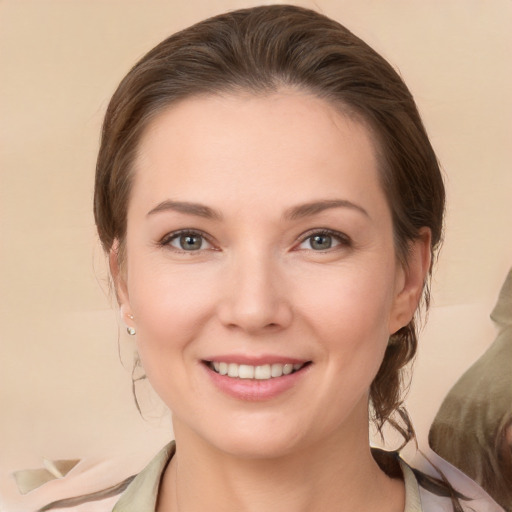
point(473, 427)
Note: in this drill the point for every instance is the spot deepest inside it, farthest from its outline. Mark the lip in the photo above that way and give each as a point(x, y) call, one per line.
point(253, 390)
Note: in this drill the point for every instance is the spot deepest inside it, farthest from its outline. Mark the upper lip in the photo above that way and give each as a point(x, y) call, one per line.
point(254, 360)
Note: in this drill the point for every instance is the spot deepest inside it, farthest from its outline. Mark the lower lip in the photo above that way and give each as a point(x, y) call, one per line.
point(253, 390)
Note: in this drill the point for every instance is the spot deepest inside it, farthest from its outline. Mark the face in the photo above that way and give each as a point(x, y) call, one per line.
point(260, 243)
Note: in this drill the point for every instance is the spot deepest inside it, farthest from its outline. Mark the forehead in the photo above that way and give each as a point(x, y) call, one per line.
point(287, 146)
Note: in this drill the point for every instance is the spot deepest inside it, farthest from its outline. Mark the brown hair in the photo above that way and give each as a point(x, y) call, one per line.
point(260, 50)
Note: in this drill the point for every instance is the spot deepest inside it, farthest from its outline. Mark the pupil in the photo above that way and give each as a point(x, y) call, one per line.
point(189, 242)
point(321, 242)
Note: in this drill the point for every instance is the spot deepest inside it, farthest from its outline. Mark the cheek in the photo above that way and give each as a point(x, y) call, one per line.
point(346, 313)
point(351, 319)
point(170, 307)
point(351, 305)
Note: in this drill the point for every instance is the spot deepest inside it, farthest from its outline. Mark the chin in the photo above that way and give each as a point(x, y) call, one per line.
point(258, 446)
point(257, 440)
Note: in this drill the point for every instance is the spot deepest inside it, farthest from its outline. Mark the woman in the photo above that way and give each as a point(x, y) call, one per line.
point(271, 204)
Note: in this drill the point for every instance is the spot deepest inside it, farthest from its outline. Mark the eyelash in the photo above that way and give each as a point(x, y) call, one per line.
point(170, 237)
point(343, 239)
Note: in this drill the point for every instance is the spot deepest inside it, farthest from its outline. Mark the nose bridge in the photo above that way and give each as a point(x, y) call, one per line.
point(254, 297)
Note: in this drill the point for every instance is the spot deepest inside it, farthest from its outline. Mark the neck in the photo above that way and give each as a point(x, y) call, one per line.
point(331, 476)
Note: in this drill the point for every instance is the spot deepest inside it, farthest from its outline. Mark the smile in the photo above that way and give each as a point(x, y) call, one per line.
point(260, 372)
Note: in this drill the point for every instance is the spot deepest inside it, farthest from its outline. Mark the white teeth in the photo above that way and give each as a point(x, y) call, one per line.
point(277, 370)
point(232, 370)
point(245, 371)
point(262, 372)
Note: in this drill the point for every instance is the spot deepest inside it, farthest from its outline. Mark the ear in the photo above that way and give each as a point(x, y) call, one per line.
point(118, 274)
point(410, 281)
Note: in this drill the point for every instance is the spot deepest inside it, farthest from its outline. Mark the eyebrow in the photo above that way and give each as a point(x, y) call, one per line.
point(199, 210)
point(296, 212)
point(315, 207)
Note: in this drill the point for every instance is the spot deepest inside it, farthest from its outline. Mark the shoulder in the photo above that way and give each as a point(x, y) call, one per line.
point(92, 484)
point(141, 495)
point(421, 494)
point(421, 470)
point(72, 493)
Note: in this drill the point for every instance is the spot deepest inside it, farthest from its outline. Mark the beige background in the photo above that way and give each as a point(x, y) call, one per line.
point(63, 389)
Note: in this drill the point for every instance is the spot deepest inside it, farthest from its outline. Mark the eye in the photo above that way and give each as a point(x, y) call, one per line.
point(324, 240)
point(189, 241)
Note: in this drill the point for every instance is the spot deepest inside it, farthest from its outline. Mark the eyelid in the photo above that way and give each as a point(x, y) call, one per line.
point(342, 238)
point(166, 240)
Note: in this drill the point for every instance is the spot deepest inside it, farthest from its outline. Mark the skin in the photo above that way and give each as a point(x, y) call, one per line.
point(258, 286)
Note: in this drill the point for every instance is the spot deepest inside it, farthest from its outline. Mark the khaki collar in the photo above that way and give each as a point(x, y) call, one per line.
point(142, 493)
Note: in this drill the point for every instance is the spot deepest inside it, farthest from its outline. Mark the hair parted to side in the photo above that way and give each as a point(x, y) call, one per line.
point(261, 50)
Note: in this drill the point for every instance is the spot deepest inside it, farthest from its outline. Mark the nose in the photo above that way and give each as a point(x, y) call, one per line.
point(254, 297)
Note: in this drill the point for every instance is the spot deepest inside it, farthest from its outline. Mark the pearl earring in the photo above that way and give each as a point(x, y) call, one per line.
point(130, 330)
